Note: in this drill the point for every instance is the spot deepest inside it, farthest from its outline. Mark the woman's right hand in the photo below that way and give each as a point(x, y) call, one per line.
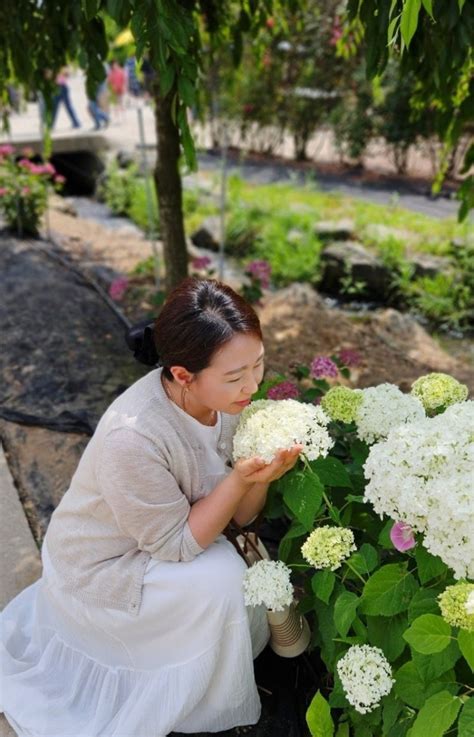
point(256, 470)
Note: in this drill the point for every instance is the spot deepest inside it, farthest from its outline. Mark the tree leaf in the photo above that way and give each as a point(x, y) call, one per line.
point(409, 20)
point(466, 646)
point(428, 634)
point(466, 719)
point(428, 6)
point(322, 584)
point(388, 591)
point(318, 717)
point(436, 716)
point(345, 611)
point(302, 494)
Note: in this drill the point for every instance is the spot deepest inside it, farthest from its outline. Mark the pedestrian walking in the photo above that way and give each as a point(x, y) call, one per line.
point(63, 97)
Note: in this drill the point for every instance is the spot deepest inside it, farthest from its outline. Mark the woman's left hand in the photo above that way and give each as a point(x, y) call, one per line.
point(281, 464)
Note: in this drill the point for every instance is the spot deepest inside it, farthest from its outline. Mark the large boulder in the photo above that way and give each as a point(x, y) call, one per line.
point(350, 260)
point(335, 230)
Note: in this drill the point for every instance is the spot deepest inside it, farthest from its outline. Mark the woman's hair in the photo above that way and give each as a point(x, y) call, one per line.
point(198, 318)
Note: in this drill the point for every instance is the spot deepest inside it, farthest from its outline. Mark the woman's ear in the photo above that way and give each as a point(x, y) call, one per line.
point(181, 375)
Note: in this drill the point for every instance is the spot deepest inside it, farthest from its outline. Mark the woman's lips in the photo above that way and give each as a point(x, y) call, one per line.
point(244, 403)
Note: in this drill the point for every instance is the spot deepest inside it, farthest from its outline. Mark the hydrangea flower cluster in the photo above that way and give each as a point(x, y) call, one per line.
point(327, 547)
point(284, 390)
point(322, 366)
point(261, 270)
point(422, 476)
point(342, 403)
point(456, 604)
point(366, 676)
point(267, 426)
point(268, 582)
point(118, 288)
point(438, 390)
point(384, 407)
point(349, 358)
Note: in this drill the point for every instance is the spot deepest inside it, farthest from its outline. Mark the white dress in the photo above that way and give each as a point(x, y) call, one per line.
point(184, 664)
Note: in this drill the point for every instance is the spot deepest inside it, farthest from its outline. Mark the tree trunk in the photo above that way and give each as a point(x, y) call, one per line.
point(169, 191)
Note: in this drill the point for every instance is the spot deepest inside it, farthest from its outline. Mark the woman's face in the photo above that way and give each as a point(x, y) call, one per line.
point(234, 374)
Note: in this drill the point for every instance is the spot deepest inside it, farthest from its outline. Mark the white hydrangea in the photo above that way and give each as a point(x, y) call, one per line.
point(422, 475)
point(384, 407)
point(268, 582)
point(328, 546)
point(267, 426)
point(366, 676)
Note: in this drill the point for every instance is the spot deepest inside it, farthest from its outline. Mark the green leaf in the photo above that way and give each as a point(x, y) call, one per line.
point(428, 634)
point(388, 635)
point(429, 566)
point(412, 689)
point(318, 717)
point(364, 560)
point(337, 697)
point(322, 584)
point(428, 6)
point(423, 602)
point(167, 76)
point(343, 730)
point(302, 494)
point(466, 719)
point(461, 5)
point(409, 20)
point(466, 646)
point(331, 472)
point(286, 543)
point(186, 91)
point(384, 536)
point(345, 611)
point(432, 666)
point(359, 451)
point(436, 716)
point(388, 591)
point(91, 8)
point(390, 711)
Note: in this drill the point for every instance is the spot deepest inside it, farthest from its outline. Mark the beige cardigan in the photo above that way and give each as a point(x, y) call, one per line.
point(130, 498)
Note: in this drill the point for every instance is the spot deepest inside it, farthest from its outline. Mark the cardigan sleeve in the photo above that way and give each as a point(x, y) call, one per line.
point(144, 497)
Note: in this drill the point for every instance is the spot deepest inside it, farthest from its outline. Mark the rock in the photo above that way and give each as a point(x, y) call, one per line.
point(425, 264)
point(351, 259)
point(208, 235)
point(335, 230)
point(379, 233)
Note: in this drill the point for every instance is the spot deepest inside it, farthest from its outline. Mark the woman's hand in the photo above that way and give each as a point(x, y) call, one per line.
point(256, 470)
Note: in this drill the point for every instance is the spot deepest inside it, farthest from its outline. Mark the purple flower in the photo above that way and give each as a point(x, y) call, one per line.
point(118, 288)
point(201, 262)
point(322, 366)
point(285, 390)
point(402, 536)
point(260, 270)
point(349, 357)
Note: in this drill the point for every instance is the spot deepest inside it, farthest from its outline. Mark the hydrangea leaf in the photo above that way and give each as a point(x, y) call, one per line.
point(388, 591)
point(428, 566)
point(388, 637)
point(318, 717)
point(437, 715)
point(331, 472)
point(432, 666)
point(392, 706)
point(466, 719)
point(412, 689)
point(302, 495)
point(428, 634)
point(345, 611)
point(322, 584)
point(466, 645)
point(365, 560)
point(423, 602)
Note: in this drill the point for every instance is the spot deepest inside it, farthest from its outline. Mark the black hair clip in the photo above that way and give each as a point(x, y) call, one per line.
point(139, 339)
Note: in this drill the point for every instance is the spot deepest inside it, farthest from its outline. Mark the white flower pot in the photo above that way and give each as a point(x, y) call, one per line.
point(290, 633)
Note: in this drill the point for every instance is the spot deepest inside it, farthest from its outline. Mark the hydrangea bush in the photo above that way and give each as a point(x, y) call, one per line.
point(24, 189)
point(380, 540)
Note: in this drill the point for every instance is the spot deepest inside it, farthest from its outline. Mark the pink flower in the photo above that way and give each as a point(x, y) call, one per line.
point(402, 536)
point(322, 366)
point(48, 168)
point(26, 163)
point(201, 262)
point(260, 270)
point(3, 191)
point(6, 149)
point(118, 288)
point(59, 179)
point(285, 390)
point(25, 191)
point(349, 358)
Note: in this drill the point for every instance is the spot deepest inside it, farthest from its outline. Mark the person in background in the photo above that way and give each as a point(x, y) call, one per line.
point(133, 83)
point(117, 80)
point(97, 107)
point(63, 96)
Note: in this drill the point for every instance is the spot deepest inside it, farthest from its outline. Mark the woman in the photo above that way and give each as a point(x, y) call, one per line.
point(138, 626)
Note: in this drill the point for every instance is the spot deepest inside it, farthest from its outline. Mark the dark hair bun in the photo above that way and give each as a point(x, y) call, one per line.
point(139, 339)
